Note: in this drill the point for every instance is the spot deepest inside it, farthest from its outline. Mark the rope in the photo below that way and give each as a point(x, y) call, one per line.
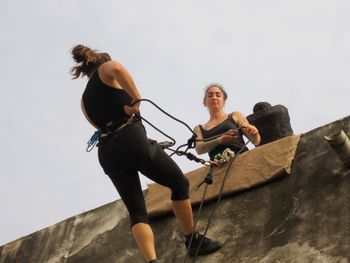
point(218, 200)
point(166, 113)
point(173, 142)
point(189, 156)
point(197, 217)
point(191, 143)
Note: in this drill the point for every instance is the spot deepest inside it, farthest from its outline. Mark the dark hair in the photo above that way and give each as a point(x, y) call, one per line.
point(87, 60)
point(221, 88)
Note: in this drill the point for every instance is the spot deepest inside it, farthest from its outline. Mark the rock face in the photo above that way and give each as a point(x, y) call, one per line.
point(303, 217)
point(273, 122)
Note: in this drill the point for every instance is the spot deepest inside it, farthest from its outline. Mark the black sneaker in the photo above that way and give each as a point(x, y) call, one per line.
point(208, 246)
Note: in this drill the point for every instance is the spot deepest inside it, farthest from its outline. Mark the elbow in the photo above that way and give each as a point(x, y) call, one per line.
point(117, 68)
point(256, 141)
point(199, 150)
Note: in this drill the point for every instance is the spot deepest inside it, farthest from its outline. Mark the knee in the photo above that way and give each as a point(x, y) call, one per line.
point(181, 191)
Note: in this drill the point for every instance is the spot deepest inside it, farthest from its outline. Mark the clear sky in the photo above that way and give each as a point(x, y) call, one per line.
point(295, 53)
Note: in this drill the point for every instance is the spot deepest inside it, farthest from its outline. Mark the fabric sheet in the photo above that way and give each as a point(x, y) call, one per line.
point(248, 170)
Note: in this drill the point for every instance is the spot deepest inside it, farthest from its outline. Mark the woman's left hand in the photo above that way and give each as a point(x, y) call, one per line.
point(250, 130)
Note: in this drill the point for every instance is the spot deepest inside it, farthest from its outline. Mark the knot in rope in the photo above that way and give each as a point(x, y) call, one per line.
point(191, 143)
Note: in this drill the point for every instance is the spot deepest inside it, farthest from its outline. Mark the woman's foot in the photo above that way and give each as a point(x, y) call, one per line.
point(207, 246)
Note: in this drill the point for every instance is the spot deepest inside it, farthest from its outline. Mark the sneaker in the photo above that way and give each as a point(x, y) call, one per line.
point(208, 246)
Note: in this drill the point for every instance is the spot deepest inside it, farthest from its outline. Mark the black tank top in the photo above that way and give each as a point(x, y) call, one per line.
point(104, 104)
point(226, 125)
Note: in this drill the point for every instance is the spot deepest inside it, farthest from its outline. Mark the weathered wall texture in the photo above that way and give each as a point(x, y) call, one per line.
point(304, 217)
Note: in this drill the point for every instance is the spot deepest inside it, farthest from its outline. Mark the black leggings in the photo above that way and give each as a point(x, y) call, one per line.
point(128, 151)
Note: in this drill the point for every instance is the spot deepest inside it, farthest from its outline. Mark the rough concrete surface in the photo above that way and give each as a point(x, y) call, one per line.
point(303, 217)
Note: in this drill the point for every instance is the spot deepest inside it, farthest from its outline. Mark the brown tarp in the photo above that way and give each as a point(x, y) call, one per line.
point(248, 170)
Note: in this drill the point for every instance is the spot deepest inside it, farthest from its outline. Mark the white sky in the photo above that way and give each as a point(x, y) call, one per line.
point(294, 53)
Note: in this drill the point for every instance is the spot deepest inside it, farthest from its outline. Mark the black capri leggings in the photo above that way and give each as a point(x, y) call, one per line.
point(128, 151)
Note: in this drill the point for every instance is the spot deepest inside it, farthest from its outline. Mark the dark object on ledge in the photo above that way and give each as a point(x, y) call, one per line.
point(273, 122)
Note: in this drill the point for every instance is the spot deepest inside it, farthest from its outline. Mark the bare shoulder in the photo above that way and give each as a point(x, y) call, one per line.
point(238, 117)
point(109, 66)
point(108, 71)
point(198, 131)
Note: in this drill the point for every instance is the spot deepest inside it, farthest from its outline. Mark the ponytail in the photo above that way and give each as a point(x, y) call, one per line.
point(87, 60)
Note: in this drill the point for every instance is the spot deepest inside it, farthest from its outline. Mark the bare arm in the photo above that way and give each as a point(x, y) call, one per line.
point(204, 147)
point(249, 130)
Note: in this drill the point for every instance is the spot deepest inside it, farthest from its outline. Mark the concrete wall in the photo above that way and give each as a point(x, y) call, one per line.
point(304, 217)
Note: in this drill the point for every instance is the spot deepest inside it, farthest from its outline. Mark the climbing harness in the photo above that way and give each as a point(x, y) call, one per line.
point(111, 128)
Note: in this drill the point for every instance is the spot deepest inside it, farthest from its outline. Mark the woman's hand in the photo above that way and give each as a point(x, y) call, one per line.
point(250, 130)
point(229, 136)
point(132, 110)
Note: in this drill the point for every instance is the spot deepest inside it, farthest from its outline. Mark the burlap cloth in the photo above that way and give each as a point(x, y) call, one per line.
point(248, 170)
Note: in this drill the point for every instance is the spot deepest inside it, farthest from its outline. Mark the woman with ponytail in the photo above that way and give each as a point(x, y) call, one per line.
point(124, 149)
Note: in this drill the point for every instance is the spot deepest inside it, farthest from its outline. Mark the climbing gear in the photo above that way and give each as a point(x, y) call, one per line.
point(93, 140)
point(227, 154)
point(111, 128)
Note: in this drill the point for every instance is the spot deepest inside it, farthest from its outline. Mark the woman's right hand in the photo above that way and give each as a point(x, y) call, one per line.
point(132, 110)
point(229, 136)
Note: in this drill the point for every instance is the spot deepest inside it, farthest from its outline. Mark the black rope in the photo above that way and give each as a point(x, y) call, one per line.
point(189, 156)
point(166, 113)
point(159, 130)
point(197, 217)
point(191, 143)
point(218, 200)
